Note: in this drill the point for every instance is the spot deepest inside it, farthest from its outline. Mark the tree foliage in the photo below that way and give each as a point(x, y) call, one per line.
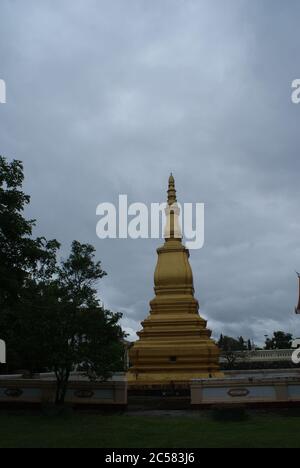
point(19, 252)
point(280, 340)
point(226, 343)
point(232, 349)
point(50, 314)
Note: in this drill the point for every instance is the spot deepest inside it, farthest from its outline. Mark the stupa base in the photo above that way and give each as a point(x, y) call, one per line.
point(169, 379)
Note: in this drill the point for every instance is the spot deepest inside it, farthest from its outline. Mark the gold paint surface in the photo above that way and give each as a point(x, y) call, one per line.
point(174, 344)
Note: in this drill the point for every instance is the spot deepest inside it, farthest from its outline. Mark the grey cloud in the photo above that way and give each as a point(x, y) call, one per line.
point(108, 97)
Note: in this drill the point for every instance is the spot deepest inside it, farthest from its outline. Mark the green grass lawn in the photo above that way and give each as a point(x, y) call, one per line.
point(36, 430)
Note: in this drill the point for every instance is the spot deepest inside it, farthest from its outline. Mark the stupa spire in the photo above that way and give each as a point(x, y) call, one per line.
point(172, 230)
point(171, 191)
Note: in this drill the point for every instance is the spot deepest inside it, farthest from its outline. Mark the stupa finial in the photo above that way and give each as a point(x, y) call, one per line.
point(171, 191)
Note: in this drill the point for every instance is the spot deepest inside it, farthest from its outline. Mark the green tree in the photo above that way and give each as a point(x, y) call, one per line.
point(221, 342)
point(50, 315)
point(232, 349)
point(23, 324)
point(85, 333)
point(242, 344)
point(280, 340)
point(61, 326)
point(19, 253)
point(226, 343)
point(22, 259)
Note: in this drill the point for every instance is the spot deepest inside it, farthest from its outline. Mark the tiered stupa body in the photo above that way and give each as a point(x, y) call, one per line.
point(174, 346)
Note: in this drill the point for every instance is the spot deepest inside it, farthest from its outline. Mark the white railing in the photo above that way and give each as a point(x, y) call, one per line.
point(263, 355)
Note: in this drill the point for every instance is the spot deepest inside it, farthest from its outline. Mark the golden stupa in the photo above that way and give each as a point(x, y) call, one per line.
point(174, 346)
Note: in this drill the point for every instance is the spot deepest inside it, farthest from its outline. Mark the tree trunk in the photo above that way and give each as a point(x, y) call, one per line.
point(62, 380)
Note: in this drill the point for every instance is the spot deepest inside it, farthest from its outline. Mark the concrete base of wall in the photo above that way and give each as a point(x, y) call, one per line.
point(250, 388)
point(38, 391)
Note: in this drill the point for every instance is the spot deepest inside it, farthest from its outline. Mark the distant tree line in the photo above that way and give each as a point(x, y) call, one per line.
point(279, 340)
point(233, 350)
point(50, 315)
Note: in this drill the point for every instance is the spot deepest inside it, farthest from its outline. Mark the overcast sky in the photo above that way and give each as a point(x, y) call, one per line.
point(106, 97)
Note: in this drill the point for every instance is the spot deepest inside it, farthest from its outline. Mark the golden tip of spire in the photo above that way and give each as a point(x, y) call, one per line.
point(171, 190)
point(171, 179)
